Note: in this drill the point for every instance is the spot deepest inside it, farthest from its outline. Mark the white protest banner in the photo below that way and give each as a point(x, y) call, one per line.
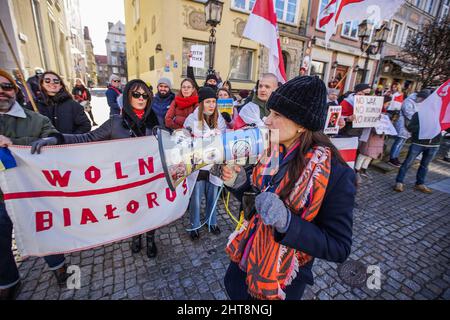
point(385, 126)
point(197, 59)
point(76, 197)
point(331, 124)
point(367, 110)
point(347, 148)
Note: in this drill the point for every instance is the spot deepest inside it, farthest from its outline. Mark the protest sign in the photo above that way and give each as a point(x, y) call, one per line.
point(367, 111)
point(197, 59)
point(331, 124)
point(385, 126)
point(225, 105)
point(76, 197)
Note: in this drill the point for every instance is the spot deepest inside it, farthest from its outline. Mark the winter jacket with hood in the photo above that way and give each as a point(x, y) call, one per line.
point(409, 107)
point(66, 115)
point(121, 126)
point(161, 105)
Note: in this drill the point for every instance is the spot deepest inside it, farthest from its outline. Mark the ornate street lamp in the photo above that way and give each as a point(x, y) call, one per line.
point(371, 45)
point(213, 15)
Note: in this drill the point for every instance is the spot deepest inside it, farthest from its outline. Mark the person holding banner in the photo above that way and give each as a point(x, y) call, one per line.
point(184, 104)
point(205, 121)
point(302, 210)
point(18, 126)
point(362, 89)
point(137, 120)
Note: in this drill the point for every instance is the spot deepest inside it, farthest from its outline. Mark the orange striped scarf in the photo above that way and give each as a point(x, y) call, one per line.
point(271, 266)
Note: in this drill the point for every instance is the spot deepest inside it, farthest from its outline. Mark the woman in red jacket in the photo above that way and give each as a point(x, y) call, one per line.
point(184, 104)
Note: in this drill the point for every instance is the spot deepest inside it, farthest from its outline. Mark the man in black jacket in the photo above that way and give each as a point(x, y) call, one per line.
point(428, 148)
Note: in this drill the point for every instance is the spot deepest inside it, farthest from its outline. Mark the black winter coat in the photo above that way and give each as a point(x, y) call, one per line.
point(328, 237)
point(66, 115)
point(122, 126)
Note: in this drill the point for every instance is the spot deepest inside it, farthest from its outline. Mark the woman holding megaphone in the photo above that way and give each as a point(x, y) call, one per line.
point(303, 208)
point(205, 121)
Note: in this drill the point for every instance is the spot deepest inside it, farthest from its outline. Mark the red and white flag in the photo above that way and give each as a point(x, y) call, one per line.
point(397, 101)
point(434, 112)
point(347, 148)
point(262, 28)
point(340, 11)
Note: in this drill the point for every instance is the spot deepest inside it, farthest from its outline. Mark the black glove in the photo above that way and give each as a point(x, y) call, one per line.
point(38, 144)
point(226, 116)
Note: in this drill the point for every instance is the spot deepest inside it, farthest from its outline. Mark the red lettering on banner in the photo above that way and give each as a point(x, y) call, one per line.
point(171, 195)
point(92, 174)
point(151, 199)
point(110, 212)
point(54, 177)
point(185, 189)
point(67, 220)
point(119, 174)
point(132, 206)
point(146, 165)
point(44, 220)
point(87, 216)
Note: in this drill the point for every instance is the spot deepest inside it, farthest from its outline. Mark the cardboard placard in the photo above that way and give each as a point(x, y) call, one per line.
point(197, 59)
point(367, 110)
point(225, 105)
point(385, 126)
point(331, 124)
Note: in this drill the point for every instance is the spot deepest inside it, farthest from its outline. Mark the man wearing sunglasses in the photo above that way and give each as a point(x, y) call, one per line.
point(19, 126)
point(113, 92)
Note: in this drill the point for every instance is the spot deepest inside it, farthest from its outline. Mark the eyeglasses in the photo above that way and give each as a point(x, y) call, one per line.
point(116, 81)
point(55, 81)
point(7, 86)
point(186, 87)
point(137, 95)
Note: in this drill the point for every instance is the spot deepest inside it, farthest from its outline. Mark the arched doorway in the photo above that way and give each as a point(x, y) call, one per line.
point(287, 63)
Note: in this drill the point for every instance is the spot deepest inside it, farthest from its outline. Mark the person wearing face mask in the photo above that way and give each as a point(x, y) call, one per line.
point(57, 104)
point(303, 206)
point(255, 111)
point(203, 122)
point(162, 99)
point(136, 120)
point(19, 126)
point(182, 106)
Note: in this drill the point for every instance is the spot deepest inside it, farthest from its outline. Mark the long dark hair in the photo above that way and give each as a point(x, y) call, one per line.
point(145, 88)
point(308, 140)
point(63, 94)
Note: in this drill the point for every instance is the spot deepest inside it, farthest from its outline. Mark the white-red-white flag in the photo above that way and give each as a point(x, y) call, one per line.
point(347, 148)
point(262, 28)
point(434, 112)
point(340, 11)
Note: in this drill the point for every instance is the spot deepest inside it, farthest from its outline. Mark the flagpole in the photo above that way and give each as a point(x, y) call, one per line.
point(25, 84)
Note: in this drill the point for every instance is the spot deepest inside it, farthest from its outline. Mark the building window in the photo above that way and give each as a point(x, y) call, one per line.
point(429, 6)
point(350, 29)
point(152, 63)
point(318, 69)
point(409, 32)
point(244, 5)
point(286, 10)
point(115, 70)
point(396, 30)
point(198, 72)
point(145, 34)
point(241, 62)
point(445, 9)
point(137, 9)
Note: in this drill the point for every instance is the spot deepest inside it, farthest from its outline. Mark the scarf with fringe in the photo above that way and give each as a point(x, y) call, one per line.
point(271, 266)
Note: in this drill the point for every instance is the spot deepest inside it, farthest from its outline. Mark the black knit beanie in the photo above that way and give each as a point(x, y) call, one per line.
point(361, 87)
point(302, 100)
point(206, 93)
point(211, 76)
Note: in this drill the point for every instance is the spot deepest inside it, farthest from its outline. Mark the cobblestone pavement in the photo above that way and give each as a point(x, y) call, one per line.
point(405, 234)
